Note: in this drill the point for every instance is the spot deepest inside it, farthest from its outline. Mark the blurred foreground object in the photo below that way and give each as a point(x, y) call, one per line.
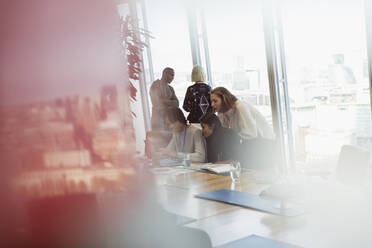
point(67, 176)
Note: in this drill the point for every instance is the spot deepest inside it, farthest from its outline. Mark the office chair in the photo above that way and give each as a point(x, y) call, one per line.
point(353, 165)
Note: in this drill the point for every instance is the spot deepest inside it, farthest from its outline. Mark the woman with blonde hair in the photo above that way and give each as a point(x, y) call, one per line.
point(197, 98)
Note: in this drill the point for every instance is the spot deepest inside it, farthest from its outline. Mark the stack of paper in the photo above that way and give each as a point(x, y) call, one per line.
point(218, 168)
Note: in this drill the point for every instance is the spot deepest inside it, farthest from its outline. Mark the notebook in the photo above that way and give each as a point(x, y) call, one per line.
point(244, 199)
point(168, 162)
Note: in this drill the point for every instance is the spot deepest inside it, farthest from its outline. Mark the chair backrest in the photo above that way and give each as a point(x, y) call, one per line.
point(260, 153)
point(353, 165)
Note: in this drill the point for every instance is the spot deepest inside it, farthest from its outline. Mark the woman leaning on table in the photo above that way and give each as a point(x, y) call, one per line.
point(257, 137)
point(222, 143)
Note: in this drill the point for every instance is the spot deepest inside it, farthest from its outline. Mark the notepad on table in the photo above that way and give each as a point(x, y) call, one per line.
point(218, 168)
point(169, 162)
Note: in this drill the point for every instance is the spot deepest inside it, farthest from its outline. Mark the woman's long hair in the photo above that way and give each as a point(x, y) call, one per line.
point(228, 100)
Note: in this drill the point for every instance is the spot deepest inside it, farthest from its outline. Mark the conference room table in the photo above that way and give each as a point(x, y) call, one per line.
point(335, 215)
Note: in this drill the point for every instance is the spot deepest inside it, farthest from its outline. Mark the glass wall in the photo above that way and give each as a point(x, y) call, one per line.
point(137, 105)
point(237, 50)
point(327, 73)
point(325, 59)
point(170, 47)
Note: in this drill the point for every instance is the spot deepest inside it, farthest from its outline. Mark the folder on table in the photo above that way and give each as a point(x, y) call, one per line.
point(244, 199)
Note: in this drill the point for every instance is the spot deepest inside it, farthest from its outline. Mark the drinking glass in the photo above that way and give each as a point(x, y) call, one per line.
point(235, 171)
point(186, 160)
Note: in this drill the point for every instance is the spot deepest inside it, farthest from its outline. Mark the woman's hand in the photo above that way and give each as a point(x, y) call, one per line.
point(166, 152)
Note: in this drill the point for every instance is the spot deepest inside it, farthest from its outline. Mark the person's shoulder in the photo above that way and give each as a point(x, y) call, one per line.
point(202, 88)
point(191, 87)
point(242, 105)
point(238, 103)
point(155, 83)
point(251, 108)
point(206, 85)
point(202, 85)
point(195, 129)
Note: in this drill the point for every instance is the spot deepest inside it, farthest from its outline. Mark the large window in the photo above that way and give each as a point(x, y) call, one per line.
point(327, 77)
point(170, 46)
point(237, 50)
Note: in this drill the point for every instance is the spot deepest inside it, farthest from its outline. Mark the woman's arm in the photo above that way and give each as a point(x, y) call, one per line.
point(171, 147)
point(247, 125)
point(172, 101)
point(187, 103)
point(199, 153)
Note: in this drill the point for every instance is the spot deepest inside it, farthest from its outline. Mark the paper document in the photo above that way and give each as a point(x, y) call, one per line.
point(218, 168)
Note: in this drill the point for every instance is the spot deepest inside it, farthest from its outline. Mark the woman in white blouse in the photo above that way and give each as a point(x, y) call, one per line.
point(245, 119)
point(257, 137)
point(185, 138)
